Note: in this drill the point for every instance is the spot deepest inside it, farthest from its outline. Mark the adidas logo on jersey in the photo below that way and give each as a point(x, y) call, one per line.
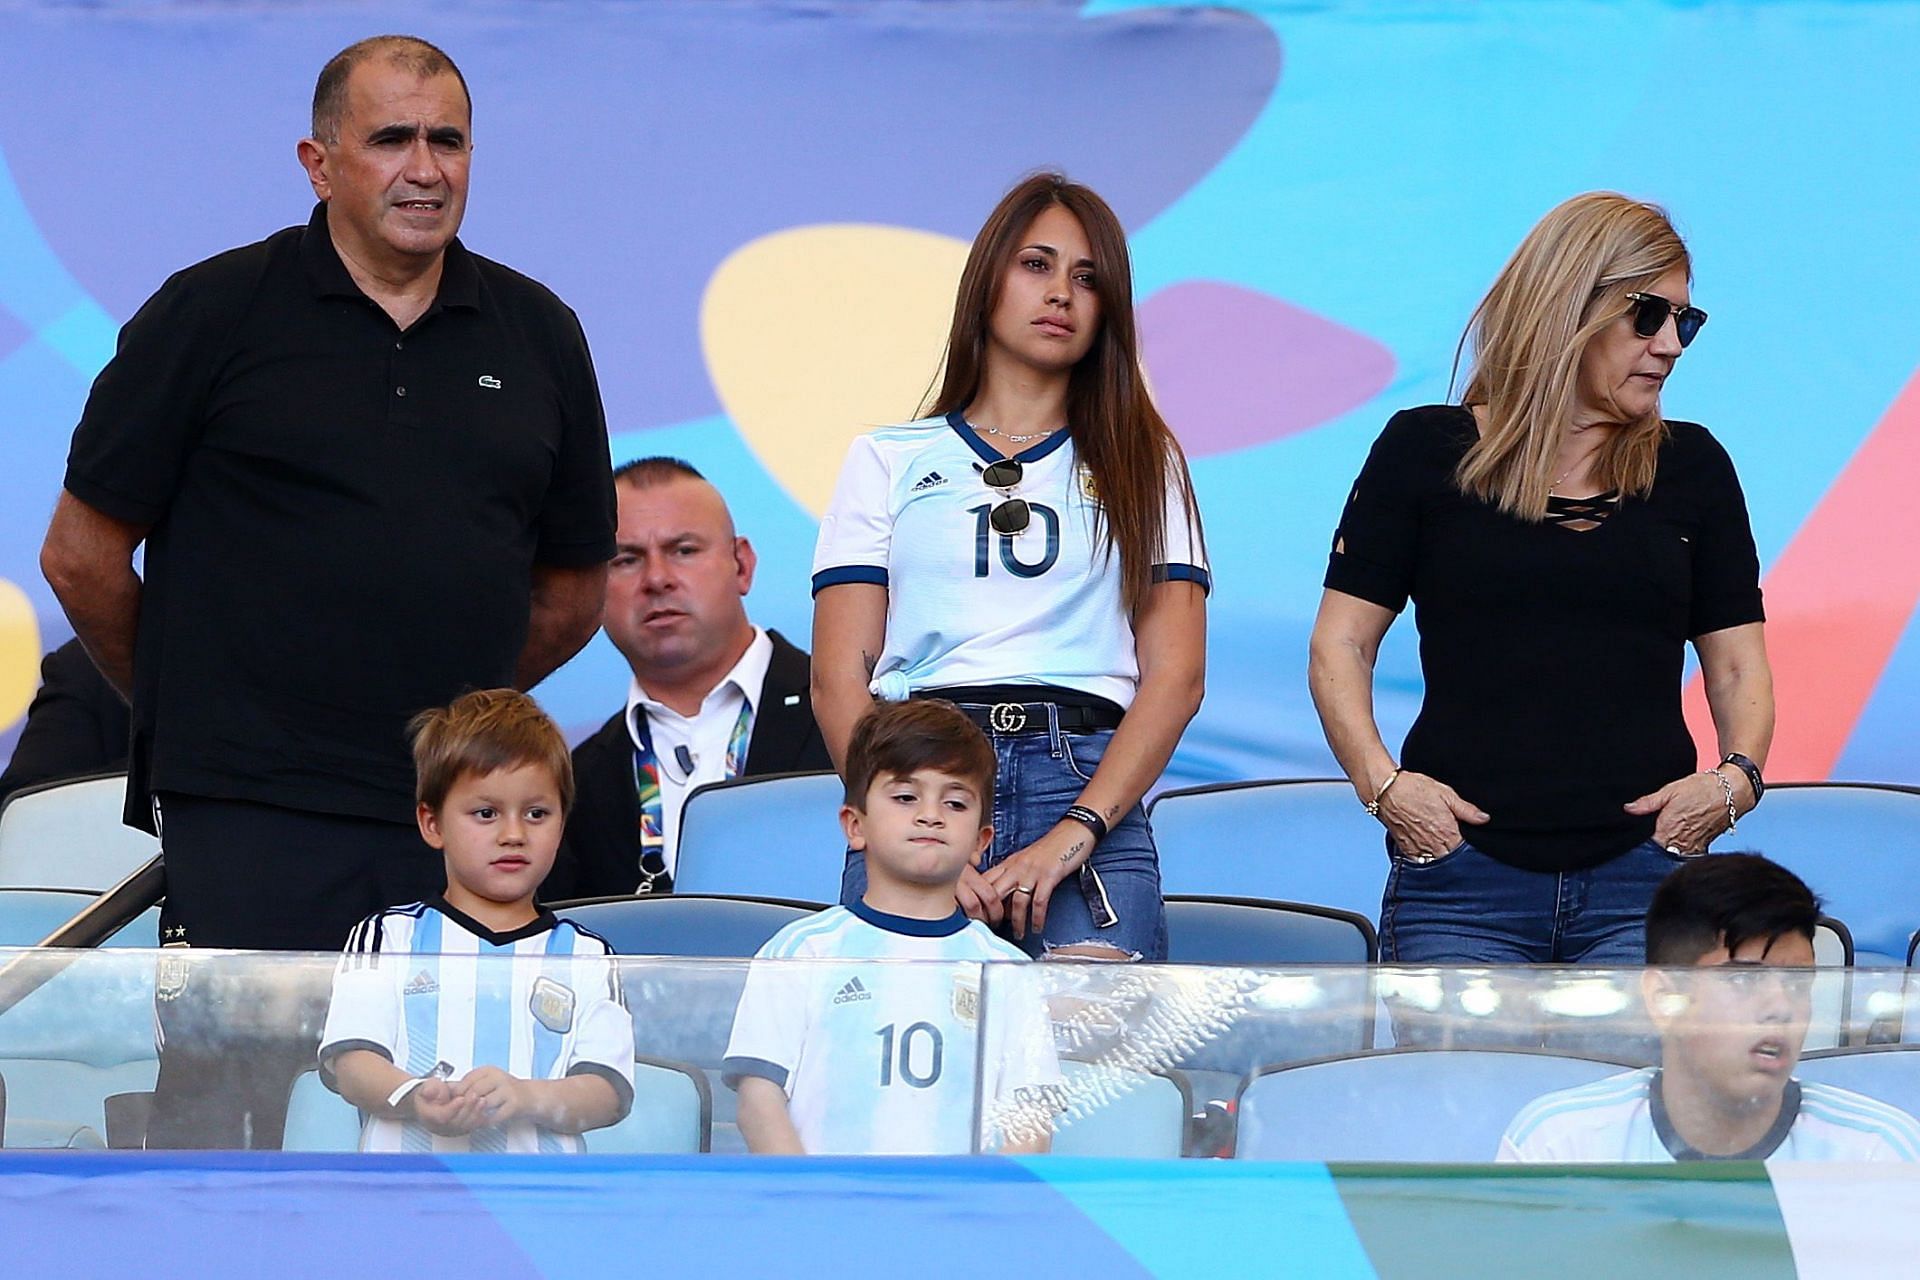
point(420, 984)
point(851, 992)
point(931, 480)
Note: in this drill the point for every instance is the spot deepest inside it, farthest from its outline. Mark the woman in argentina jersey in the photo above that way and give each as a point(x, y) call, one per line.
point(1031, 551)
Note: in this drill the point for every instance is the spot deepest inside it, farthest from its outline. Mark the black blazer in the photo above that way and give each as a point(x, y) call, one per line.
point(600, 853)
point(76, 726)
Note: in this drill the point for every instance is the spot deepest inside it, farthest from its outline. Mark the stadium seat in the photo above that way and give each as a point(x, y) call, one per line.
point(1833, 986)
point(1857, 845)
point(1400, 1105)
point(1298, 840)
point(672, 1110)
point(683, 924)
point(28, 915)
point(84, 1035)
point(318, 1119)
point(1890, 1072)
point(777, 836)
point(1203, 929)
point(672, 1113)
point(68, 835)
point(1335, 1017)
point(1131, 1114)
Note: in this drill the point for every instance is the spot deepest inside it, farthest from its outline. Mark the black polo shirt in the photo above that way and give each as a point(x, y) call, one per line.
point(345, 517)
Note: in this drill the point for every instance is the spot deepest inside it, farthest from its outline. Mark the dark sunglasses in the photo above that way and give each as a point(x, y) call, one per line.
point(1650, 312)
point(1011, 515)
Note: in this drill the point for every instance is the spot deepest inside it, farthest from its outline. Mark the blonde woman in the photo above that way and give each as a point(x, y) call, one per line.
point(1561, 542)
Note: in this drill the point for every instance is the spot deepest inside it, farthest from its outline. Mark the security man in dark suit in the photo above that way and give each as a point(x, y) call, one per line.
point(713, 697)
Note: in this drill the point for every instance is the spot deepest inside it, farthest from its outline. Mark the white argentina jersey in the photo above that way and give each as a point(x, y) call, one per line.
point(878, 1058)
point(427, 983)
point(967, 605)
point(1623, 1119)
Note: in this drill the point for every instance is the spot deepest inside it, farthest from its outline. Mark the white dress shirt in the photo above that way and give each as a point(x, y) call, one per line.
point(704, 735)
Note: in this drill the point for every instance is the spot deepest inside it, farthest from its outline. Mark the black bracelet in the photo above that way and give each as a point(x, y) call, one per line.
point(1752, 771)
point(1090, 819)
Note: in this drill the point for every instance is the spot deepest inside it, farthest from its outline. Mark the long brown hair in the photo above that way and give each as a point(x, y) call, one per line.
point(1124, 443)
point(1565, 284)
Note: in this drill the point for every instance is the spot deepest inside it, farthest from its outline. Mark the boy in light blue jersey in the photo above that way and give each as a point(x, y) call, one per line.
point(478, 1021)
point(1731, 1028)
point(836, 1050)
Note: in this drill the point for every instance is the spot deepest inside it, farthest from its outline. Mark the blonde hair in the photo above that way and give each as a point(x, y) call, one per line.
point(1564, 285)
point(483, 732)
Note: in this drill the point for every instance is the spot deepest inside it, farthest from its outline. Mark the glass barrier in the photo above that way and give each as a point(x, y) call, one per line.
point(863, 1056)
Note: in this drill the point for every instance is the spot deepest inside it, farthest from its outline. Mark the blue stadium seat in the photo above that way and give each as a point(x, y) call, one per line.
point(686, 924)
point(1402, 1105)
point(318, 1119)
point(672, 1111)
point(28, 915)
point(1298, 840)
point(84, 1035)
point(1833, 986)
point(1256, 932)
point(1138, 1116)
point(773, 836)
point(1890, 1073)
point(68, 835)
point(1204, 929)
point(1857, 845)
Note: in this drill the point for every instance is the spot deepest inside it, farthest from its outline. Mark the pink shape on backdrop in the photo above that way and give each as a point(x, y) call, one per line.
point(1233, 367)
point(1838, 601)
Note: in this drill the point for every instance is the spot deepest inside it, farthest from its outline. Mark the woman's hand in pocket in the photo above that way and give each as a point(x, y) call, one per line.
point(1424, 816)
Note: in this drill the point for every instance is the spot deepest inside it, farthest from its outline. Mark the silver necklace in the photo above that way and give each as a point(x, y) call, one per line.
point(1016, 439)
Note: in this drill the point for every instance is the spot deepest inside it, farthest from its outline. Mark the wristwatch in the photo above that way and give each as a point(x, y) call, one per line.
point(1752, 770)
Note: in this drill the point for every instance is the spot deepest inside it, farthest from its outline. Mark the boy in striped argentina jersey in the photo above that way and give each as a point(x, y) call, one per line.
point(1731, 1028)
point(835, 1050)
point(479, 1021)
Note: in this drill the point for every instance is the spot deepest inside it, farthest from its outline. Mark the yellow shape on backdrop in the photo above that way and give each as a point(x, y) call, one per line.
point(19, 653)
point(816, 334)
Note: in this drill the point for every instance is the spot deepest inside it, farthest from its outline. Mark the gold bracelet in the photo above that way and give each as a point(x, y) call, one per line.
point(1373, 806)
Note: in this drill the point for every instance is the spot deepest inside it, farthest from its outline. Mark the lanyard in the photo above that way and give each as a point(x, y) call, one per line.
point(646, 783)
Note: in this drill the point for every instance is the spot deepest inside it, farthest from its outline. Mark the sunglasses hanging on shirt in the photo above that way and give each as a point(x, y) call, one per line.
point(1010, 515)
point(1650, 312)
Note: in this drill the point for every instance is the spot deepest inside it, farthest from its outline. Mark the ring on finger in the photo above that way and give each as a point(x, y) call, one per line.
point(1023, 888)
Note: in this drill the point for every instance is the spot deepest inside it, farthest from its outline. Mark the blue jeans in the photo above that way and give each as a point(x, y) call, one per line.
point(1470, 909)
point(1040, 775)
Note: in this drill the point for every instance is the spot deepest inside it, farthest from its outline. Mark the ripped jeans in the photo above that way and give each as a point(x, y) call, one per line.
point(1041, 774)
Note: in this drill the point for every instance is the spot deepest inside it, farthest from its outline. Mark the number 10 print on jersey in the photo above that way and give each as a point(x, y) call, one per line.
point(879, 1057)
point(968, 605)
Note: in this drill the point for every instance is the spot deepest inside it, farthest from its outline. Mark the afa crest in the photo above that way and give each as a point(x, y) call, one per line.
point(552, 1005)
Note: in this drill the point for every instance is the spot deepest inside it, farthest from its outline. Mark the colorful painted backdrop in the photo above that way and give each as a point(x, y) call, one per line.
point(759, 208)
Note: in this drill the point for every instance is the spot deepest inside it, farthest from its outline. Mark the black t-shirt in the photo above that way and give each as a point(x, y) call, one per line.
point(345, 517)
point(1552, 658)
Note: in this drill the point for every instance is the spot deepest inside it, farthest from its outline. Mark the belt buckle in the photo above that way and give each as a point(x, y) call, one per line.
point(1007, 717)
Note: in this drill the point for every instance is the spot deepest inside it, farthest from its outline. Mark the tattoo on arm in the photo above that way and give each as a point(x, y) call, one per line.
point(1073, 851)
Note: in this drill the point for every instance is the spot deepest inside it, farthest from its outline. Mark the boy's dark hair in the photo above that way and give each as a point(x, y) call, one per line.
point(1726, 899)
point(896, 738)
point(644, 473)
point(481, 732)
